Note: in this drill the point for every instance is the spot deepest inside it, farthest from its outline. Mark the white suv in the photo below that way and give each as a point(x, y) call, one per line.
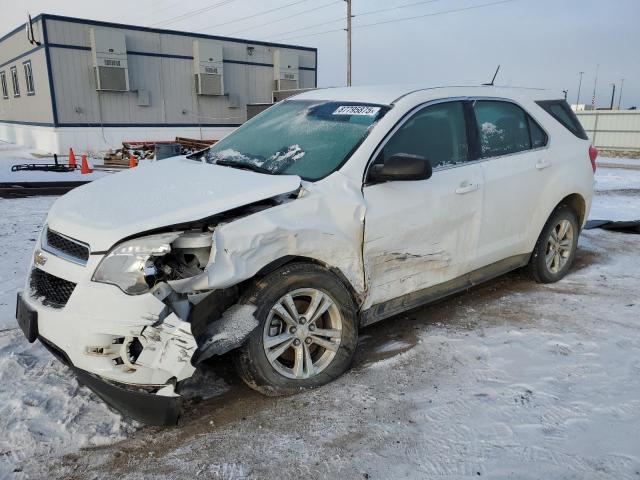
point(327, 212)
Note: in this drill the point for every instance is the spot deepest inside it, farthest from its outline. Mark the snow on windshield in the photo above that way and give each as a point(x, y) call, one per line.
point(279, 161)
point(305, 138)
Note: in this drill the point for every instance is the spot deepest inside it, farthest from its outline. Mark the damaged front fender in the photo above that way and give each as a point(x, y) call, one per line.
point(325, 222)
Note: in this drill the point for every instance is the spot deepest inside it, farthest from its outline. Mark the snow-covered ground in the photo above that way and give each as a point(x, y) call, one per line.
point(618, 194)
point(510, 380)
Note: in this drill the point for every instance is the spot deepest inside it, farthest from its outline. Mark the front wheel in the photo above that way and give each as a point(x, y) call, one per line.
point(556, 247)
point(307, 333)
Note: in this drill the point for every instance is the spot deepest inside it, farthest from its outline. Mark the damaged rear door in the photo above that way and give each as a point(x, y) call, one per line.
point(423, 233)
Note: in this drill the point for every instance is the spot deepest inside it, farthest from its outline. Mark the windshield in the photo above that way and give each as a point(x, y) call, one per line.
point(306, 138)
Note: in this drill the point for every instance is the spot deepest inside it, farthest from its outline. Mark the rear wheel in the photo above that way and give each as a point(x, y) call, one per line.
point(556, 247)
point(307, 333)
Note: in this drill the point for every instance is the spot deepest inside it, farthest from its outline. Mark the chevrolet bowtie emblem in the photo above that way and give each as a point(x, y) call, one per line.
point(39, 258)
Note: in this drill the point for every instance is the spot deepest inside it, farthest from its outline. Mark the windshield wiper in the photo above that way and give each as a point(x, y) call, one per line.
point(244, 166)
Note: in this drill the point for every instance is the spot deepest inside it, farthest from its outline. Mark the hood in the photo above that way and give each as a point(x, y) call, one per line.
point(168, 192)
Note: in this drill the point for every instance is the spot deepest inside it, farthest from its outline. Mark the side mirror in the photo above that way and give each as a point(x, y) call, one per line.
point(402, 166)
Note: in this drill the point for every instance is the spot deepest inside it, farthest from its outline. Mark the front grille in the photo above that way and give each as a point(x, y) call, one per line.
point(49, 289)
point(66, 247)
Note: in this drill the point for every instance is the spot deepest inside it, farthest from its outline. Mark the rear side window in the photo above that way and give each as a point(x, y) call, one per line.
point(503, 128)
point(437, 132)
point(560, 110)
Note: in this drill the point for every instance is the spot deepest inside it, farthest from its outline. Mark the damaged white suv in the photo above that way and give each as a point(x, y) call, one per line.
point(327, 212)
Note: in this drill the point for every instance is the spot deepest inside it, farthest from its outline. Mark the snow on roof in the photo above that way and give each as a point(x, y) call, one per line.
point(389, 94)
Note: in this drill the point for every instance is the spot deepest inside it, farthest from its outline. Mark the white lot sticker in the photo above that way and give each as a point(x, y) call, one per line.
point(357, 110)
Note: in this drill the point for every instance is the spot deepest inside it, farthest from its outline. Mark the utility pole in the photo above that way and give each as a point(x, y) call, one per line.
point(348, 42)
point(620, 94)
point(595, 86)
point(613, 94)
point(579, 87)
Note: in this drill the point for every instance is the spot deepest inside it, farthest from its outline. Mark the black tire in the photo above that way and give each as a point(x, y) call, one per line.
point(252, 362)
point(538, 268)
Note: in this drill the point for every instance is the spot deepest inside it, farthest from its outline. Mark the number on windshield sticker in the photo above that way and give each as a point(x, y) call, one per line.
point(357, 110)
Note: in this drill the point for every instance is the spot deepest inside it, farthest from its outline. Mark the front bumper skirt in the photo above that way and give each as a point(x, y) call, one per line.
point(147, 408)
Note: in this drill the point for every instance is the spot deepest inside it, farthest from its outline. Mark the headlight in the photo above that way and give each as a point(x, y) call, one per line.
point(127, 264)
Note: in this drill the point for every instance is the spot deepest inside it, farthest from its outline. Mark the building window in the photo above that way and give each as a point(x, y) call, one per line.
point(3, 81)
point(28, 77)
point(14, 79)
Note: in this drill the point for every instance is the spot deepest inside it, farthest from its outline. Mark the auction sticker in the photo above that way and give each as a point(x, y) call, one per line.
point(364, 110)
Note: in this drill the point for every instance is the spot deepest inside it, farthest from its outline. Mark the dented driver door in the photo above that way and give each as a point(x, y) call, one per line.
point(419, 234)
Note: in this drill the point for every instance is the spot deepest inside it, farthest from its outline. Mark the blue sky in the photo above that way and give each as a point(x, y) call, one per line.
point(539, 43)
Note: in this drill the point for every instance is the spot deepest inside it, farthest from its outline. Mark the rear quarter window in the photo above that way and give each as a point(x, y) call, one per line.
point(560, 110)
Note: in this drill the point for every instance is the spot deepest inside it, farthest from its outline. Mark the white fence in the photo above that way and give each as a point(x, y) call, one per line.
point(612, 129)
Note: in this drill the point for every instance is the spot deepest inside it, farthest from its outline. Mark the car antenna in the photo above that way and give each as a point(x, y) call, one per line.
point(494, 78)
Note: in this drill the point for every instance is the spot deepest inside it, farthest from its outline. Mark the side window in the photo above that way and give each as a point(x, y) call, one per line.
point(561, 111)
point(538, 136)
point(3, 82)
point(14, 80)
point(437, 133)
point(28, 77)
point(502, 128)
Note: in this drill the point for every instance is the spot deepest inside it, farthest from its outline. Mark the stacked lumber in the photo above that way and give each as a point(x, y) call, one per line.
point(145, 150)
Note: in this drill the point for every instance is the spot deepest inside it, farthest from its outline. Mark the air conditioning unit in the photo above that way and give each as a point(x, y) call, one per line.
point(285, 70)
point(208, 67)
point(109, 53)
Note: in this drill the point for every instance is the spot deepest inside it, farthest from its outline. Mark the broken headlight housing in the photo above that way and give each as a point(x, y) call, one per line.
point(128, 264)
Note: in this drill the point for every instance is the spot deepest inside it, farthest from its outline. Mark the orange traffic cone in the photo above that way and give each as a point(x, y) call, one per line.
point(72, 159)
point(132, 161)
point(84, 166)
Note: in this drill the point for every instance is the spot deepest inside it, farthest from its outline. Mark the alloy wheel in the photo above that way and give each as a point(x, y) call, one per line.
point(559, 246)
point(302, 333)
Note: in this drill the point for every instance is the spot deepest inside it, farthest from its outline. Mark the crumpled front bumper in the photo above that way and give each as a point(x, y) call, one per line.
point(147, 408)
point(92, 334)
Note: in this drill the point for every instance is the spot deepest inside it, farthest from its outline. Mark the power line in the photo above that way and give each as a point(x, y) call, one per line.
point(191, 13)
point(341, 19)
point(286, 18)
point(186, 15)
point(157, 11)
point(444, 12)
point(252, 16)
point(363, 14)
point(407, 5)
point(150, 4)
point(437, 13)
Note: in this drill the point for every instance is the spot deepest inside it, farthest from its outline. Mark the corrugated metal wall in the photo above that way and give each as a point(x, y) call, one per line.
point(160, 63)
point(613, 130)
point(15, 49)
